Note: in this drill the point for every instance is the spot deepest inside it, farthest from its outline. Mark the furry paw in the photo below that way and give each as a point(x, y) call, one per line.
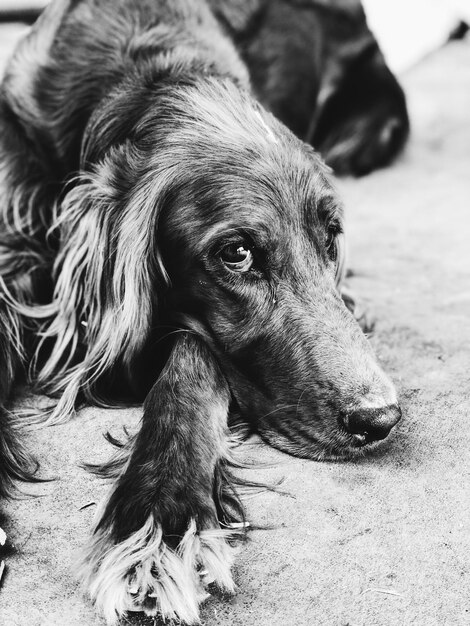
point(143, 573)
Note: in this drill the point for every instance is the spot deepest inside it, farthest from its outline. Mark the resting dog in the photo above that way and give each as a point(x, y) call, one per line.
point(165, 236)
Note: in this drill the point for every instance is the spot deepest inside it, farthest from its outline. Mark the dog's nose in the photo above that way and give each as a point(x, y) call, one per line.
point(372, 424)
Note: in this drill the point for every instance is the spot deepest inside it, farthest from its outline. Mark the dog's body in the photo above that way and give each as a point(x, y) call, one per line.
point(163, 234)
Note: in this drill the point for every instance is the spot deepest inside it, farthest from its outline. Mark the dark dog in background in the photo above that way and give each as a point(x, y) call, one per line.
point(317, 67)
point(162, 234)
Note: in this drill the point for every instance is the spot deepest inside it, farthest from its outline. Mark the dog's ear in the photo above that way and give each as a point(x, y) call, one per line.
point(107, 275)
point(27, 189)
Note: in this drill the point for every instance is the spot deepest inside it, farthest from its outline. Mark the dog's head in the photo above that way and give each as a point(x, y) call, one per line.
point(208, 212)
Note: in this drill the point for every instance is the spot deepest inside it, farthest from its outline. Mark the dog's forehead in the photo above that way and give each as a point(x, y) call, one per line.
point(248, 172)
point(265, 208)
point(285, 181)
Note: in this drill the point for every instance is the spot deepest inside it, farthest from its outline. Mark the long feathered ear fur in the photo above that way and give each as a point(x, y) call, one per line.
point(27, 191)
point(104, 272)
point(15, 462)
point(107, 272)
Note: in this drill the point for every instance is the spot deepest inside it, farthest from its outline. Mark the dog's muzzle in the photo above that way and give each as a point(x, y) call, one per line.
point(368, 425)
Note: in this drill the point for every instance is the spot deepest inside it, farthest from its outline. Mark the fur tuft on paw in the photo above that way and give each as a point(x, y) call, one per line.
point(143, 573)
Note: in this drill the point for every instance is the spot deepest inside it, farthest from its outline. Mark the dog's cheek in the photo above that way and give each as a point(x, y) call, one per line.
point(234, 311)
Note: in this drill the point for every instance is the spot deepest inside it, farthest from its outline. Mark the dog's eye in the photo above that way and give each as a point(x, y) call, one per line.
point(237, 257)
point(331, 242)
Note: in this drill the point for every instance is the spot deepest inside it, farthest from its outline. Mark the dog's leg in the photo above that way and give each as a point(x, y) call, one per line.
point(165, 529)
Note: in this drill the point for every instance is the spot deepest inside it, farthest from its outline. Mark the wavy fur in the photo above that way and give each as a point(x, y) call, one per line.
point(144, 573)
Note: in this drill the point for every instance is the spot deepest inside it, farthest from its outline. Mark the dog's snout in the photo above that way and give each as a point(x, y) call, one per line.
point(371, 424)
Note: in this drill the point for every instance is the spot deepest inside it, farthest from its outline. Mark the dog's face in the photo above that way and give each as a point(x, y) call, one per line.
point(252, 244)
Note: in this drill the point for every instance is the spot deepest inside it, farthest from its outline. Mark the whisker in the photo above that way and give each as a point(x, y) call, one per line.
point(298, 401)
point(277, 409)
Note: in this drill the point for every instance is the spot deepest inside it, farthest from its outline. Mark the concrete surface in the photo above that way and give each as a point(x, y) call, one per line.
point(380, 542)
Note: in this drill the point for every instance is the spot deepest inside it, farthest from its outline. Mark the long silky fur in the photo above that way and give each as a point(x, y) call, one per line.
point(103, 291)
point(228, 486)
point(17, 464)
point(144, 573)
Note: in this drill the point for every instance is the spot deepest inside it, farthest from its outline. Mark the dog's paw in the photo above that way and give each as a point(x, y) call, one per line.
point(143, 573)
point(373, 128)
point(361, 147)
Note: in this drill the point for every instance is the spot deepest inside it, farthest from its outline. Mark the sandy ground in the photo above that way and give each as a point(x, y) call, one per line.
point(380, 542)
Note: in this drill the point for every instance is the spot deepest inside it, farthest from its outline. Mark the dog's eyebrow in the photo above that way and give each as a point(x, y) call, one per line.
point(258, 231)
point(323, 208)
point(329, 205)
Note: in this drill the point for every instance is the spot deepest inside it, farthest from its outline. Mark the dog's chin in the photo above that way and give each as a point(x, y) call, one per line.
point(336, 447)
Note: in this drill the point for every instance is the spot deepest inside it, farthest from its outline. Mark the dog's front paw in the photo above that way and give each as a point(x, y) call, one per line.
point(145, 573)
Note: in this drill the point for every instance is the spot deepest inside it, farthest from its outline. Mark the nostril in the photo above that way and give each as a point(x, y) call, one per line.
point(372, 424)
